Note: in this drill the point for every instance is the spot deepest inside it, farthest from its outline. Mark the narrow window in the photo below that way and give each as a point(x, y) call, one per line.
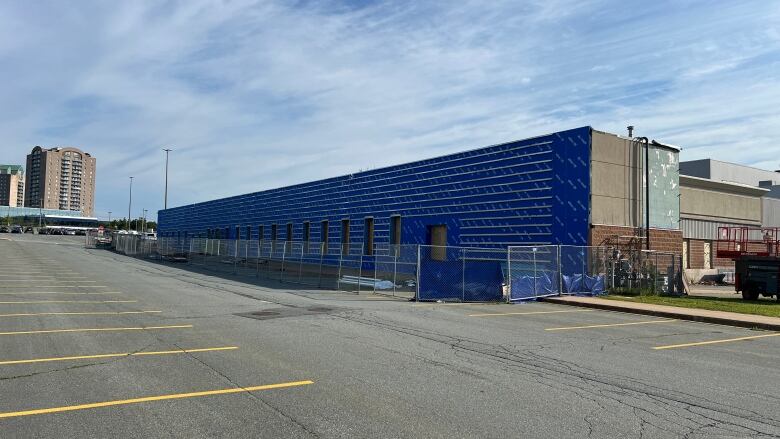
point(368, 237)
point(273, 232)
point(289, 232)
point(238, 232)
point(248, 233)
point(306, 236)
point(395, 230)
point(438, 239)
point(324, 236)
point(261, 232)
point(345, 236)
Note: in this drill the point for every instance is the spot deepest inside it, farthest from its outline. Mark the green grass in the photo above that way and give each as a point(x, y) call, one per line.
point(763, 307)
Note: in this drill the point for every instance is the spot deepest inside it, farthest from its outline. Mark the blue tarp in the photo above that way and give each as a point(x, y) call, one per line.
point(583, 284)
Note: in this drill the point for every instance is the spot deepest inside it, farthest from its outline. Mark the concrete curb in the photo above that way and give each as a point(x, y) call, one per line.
point(680, 315)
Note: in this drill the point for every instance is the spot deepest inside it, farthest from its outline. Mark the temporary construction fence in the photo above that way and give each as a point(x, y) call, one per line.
point(424, 272)
point(463, 274)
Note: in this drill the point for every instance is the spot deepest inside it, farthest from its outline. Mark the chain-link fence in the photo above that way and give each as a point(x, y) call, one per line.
point(462, 274)
point(421, 272)
point(533, 272)
point(390, 270)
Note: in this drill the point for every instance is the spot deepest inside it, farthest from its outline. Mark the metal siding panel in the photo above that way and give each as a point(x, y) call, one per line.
point(529, 191)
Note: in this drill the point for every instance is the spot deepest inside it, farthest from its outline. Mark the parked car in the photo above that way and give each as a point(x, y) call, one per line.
point(5, 229)
point(17, 229)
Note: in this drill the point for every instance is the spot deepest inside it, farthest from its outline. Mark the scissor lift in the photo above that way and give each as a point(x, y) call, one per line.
point(756, 255)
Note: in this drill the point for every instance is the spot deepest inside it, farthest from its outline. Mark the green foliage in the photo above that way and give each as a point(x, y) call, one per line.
point(136, 224)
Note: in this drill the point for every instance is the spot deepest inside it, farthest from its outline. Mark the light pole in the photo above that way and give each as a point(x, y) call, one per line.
point(109, 218)
point(166, 176)
point(130, 204)
point(143, 227)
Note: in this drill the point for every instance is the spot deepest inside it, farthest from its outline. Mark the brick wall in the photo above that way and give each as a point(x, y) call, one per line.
point(660, 239)
point(696, 255)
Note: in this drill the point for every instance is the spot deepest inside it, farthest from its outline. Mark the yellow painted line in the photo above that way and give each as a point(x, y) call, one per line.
point(60, 292)
point(53, 331)
point(727, 340)
point(455, 304)
point(98, 313)
point(58, 280)
point(124, 354)
point(648, 322)
point(154, 398)
point(53, 286)
point(27, 302)
point(530, 313)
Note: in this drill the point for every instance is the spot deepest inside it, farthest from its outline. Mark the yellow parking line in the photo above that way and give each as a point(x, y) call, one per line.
point(60, 292)
point(124, 354)
point(455, 304)
point(727, 340)
point(53, 331)
point(154, 398)
point(528, 313)
point(98, 313)
point(27, 302)
point(648, 322)
point(58, 280)
point(53, 286)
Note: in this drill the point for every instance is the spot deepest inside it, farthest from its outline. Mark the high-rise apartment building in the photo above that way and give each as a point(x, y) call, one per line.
point(60, 178)
point(11, 185)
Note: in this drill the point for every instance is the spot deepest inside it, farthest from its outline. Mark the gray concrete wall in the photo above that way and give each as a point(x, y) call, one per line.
point(729, 172)
point(617, 191)
point(616, 184)
point(771, 212)
point(719, 202)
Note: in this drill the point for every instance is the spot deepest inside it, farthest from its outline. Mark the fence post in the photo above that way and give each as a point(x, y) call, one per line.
point(462, 274)
point(533, 251)
point(338, 278)
point(360, 271)
point(300, 264)
point(284, 254)
point(322, 256)
point(560, 272)
point(417, 283)
point(509, 274)
point(395, 267)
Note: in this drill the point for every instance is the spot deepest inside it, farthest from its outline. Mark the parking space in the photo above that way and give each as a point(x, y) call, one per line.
point(58, 322)
point(584, 322)
point(144, 349)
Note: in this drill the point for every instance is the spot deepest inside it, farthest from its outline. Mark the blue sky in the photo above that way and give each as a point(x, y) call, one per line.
point(259, 94)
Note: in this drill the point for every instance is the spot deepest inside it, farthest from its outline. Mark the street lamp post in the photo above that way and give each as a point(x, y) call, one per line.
point(130, 204)
point(166, 176)
point(143, 227)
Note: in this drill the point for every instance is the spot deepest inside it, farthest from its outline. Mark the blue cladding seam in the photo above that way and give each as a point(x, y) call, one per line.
point(542, 185)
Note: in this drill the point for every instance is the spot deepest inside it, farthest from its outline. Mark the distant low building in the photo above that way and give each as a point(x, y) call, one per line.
point(62, 179)
point(11, 185)
point(717, 194)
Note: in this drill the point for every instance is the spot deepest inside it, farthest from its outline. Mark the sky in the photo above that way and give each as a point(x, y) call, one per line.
point(254, 95)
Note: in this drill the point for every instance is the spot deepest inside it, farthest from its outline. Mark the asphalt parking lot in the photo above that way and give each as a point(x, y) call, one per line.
point(95, 344)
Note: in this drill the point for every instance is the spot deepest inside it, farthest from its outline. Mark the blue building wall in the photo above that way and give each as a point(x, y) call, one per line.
point(532, 191)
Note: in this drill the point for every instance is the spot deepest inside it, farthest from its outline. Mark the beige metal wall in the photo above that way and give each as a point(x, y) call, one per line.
point(722, 202)
point(616, 181)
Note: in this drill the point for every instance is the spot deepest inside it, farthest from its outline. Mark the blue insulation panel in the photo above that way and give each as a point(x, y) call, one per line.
point(533, 191)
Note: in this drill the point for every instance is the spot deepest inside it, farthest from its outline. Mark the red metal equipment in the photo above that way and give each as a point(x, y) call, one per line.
point(756, 255)
point(736, 242)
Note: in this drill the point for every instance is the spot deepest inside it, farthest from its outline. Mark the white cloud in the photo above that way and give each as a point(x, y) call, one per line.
point(255, 95)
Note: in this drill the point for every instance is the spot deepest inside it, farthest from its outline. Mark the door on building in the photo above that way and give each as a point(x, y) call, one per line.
point(437, 237)
point(707, 255)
